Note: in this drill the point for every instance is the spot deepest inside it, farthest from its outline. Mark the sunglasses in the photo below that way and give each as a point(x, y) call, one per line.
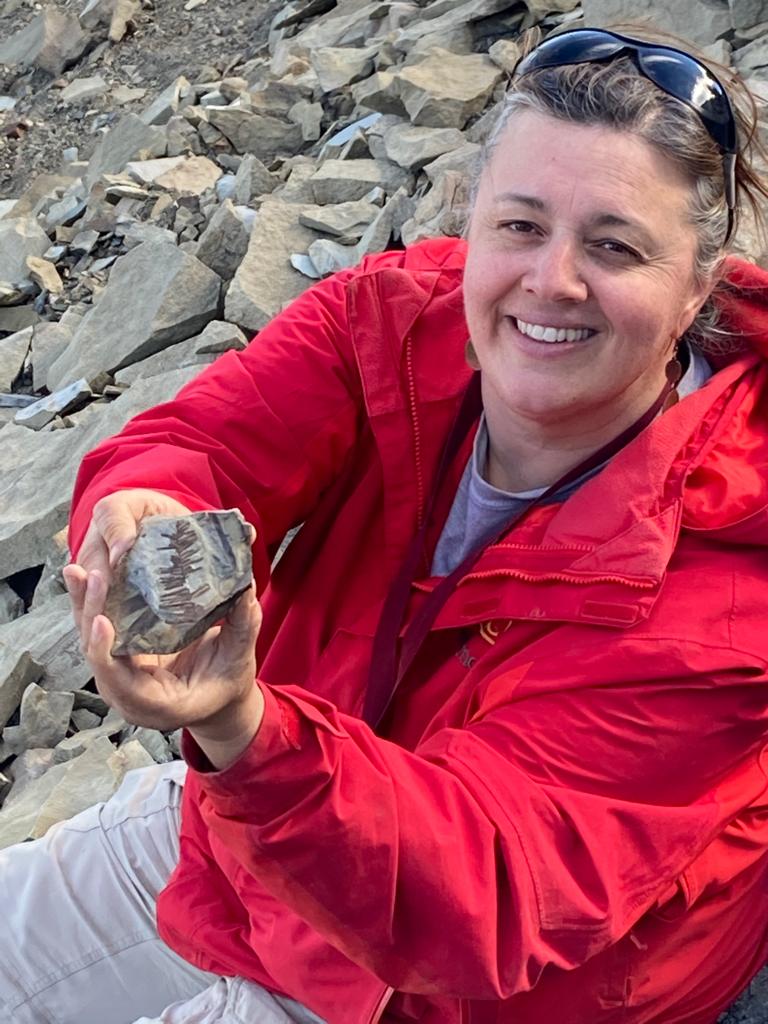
point(674, 71)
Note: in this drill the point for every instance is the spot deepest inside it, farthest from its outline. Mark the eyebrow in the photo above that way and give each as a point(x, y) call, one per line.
point(608, 220)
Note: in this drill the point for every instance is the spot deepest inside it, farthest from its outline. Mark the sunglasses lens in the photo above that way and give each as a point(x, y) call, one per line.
point(576, 47)
point(688, 81)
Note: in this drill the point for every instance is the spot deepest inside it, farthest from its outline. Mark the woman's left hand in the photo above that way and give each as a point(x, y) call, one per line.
point(209, 687)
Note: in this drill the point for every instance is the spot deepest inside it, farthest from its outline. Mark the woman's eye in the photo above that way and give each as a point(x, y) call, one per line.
point(610, 245)
point(519, 227)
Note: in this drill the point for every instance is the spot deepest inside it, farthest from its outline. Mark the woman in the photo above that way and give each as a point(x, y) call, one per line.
point(547, 800)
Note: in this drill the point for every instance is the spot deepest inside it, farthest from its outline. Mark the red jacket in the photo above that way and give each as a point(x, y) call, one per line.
point(565, 817)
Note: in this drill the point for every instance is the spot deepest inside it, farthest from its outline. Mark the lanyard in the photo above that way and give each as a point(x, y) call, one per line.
point(392, 655)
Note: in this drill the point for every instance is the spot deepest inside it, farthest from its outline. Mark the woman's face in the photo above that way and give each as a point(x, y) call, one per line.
point(583, 230)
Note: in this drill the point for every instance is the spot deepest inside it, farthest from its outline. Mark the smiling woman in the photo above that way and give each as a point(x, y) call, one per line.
point(500, 757)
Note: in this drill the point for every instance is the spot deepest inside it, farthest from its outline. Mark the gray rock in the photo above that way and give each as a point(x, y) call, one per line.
point(339, 181)
point(37, 473)
point(308, 116)
point(146, 172)
point(441, 212)
point(252, 180)
point(11, 605)
point(80, 89)
point(28, 766)
point(13, 352)
point(337, 66)
point(505, 53)
point(172, 99)
point(19, 238)
point(17, 672)
point(51, 582)
point(156, 295)
point(224, 242)
point(380, 92)
point(61, 402)
point(411, 146)
point(445, 90)
point(259, 134)
point(464, 160)
point(192, 176)
point(130, 139)
point(699, 21)
point(301, 262)
point(144, 231)
point(155, 744)
point(83, 719)
point(52, 41)
point(43, 722)
point(750, 59)
point(328, 257)
point(44, 274)
point(48, 342)
point(66, 789)
point(219, 336)
point(74, 746)
point(345, 221)
point(180, 577)
point(265, 280)
point(434, 26)
point(332, 146)
point(17, 318)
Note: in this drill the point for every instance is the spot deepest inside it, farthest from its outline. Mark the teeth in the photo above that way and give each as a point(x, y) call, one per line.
point(552, 335)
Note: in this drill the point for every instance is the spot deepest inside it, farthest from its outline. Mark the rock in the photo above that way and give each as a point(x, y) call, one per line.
point(333, 146)
point(59, 403)
point(339, 181)
point(450, 28)
point(174, 98)
point(748, 13)
point(65, 789)
point(11, 605)
point(265, 280)
point(30, 765)
point(192, 176)
point(328, 257)
point(52, 41)
point(441, 212)
point(505, 54)
point(13, 352)
point(463, 160)
point(342, 220)
point(411, 146)
point(252, 180)
point(51, 582)
point(82, 720)
point(224, 242)
point(74, 746)
point(48, 342)
point(44, 274)
point(337, 66)
point(130, 139)
point(44, 720)
point(122, 94)
point(19, 672)
point(380, 92)
point(155, 744)
point(17, 318)
point(20, 237)
point(199, 351)
point(445, 90)
point(80, 89)
point(180, 577)
point(140, 232)
point(37, 473)
point(156, 295)
point(259, 134)
point(748, 60)
point(146, 172)
point(699, 21)
point(308, 116)
point(122, 18)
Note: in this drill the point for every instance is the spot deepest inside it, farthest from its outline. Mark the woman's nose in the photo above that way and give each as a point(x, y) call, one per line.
point(555, 273)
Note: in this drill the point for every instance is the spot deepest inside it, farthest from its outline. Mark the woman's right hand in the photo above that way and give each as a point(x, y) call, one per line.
point(114, 525)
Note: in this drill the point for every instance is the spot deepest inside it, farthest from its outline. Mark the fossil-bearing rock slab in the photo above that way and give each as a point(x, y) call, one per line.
point(180, 577)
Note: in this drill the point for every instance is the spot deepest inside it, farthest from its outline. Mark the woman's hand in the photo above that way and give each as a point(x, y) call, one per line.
point(209, 687)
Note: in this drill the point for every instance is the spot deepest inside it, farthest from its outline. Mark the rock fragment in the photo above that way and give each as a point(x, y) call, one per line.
point(44, 720)
point(13, 352)
point(60, 403)
point(180, 577)
point(20, 237)
point(445, 90)
point(52, 41)
point(339, 181)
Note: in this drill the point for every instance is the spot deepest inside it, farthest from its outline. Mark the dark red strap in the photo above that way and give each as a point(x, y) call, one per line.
point(392, 656)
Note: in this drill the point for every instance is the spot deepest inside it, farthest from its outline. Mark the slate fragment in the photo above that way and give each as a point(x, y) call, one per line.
point(180, 577)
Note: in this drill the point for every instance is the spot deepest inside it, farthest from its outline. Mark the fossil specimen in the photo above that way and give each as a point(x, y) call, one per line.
point(178, 579)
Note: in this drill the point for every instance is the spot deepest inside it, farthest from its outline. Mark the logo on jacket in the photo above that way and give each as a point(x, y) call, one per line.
point(491, 631)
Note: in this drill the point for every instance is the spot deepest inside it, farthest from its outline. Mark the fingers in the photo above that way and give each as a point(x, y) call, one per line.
point(75, 579)
point(92, 595)
point(116, 522)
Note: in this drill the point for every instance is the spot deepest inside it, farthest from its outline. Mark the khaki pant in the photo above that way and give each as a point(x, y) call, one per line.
point(78, 943)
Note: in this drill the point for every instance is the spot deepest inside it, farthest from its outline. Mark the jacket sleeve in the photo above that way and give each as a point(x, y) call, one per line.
point(264, 430)
point(538, 834)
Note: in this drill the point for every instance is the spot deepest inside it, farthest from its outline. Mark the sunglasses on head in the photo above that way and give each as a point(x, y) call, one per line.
point(674, 71)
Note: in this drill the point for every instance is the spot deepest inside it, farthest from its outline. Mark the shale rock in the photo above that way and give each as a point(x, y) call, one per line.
point(130, 139)
point(445, 90)
point(19, 238)
point(156, 295)
point(180, 577)
point(52, 41)
point(13, 352)
point(700, 21)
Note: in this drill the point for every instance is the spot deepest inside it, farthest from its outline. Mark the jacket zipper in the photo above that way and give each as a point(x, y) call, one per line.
point(559, 578)
point(416, 430)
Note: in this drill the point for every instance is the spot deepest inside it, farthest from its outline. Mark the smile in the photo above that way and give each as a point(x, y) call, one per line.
point(553, 335)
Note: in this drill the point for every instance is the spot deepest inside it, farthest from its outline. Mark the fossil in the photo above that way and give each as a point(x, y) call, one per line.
point(180, 577)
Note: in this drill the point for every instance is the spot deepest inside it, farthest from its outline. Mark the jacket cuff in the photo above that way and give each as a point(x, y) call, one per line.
point(277, 734)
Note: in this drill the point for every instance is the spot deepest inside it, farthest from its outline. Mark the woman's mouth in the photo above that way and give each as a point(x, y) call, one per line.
point(553, 335)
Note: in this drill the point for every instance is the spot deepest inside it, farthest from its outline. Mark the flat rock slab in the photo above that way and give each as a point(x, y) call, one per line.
point(13, 352)
point(67, 399)
point(157, 295)
point(130, 139)
point(445, 90)
point(37, 473)
point(265, 280)
point(52, 41)
point(340, 181)
point(699, 21)
point(180, 577)
point(20, 237)
point(259, 134)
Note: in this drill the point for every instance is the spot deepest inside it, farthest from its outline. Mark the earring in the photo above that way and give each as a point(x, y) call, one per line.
point(674, 372)
point(471, 356)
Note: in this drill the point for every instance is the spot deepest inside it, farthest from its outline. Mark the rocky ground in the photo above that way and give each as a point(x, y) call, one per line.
point(172, 172)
